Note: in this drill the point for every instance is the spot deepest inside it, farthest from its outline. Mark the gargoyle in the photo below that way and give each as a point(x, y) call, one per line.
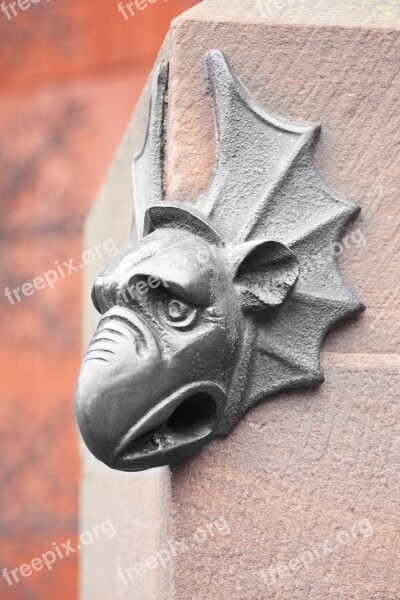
point(215, 308)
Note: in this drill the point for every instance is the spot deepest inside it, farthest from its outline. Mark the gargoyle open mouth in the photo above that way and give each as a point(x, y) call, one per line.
point(186, 419)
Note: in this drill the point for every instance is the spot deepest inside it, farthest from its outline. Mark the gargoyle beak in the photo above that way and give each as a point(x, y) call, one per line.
point(175, 429)
point(113, 372)
point(133, 412)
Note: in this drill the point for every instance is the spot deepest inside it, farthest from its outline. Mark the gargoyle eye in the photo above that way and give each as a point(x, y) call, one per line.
point(179, 313)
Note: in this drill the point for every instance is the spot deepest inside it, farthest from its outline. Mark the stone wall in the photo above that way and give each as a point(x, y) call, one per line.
point(300, 502)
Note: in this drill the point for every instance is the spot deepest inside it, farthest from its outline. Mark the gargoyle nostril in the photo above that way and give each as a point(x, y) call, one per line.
point(101, 358)
point(111, 337)
point(103, 350)
point(125, 327)
point(102, 339)
point(99, 352)
point(101, 330)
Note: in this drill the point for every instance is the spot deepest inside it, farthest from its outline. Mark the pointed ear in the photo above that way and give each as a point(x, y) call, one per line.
point(182, 217)
point(265, 275)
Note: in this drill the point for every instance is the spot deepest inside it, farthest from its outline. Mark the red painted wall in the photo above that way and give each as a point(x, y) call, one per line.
point(70, 74)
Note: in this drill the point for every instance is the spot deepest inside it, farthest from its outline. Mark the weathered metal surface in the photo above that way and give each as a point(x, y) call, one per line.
point(218, 306)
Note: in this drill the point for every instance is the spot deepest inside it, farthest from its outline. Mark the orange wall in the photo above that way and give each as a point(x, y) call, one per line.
point(70, 74)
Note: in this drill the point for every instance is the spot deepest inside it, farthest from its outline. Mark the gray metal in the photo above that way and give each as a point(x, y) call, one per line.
point(218, 307)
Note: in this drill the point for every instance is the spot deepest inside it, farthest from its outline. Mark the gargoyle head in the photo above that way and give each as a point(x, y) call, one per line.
point(214, 310)
point(156, 380)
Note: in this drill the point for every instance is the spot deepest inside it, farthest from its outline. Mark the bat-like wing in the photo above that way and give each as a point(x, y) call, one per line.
point(266, 186)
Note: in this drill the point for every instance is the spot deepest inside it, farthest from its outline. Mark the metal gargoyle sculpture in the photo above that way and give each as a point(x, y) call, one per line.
point(218, 306)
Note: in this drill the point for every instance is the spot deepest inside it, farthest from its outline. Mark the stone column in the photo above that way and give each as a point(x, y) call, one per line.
point(301, 501)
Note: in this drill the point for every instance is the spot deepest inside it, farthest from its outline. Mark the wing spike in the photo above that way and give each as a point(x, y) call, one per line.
point(305, 143)
point(300, 367)
point(344, 213)
point(226, 85)
point(347, 305)
point(278, 375)
point(255, 149)
point(148, 162)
